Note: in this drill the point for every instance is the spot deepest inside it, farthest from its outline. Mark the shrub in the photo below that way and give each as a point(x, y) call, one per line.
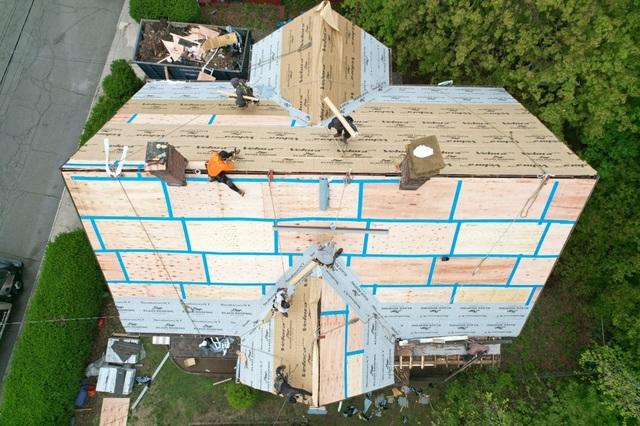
point(118, 87)
point(173, 10)
point(240, 396)
point(50, 357)
point(122, 83)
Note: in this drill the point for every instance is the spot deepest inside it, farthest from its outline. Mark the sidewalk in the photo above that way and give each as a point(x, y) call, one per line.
point(66, 218)
point(122, 47)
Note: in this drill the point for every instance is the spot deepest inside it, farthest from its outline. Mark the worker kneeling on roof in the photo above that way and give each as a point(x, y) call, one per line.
point(340, 130)
point(242, 90)
point(281, 302)
point(219, 163)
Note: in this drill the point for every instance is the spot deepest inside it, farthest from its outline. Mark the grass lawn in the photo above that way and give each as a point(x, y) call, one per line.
point(178, 397)
point(261, 18)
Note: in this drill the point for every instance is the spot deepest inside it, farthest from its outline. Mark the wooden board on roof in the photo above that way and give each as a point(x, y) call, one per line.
point(295, 335)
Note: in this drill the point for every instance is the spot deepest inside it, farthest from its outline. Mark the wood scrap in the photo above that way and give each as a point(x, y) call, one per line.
point(396, 392)
point(189, 362)
point(220, 41)
point(232, 95)
point(222, 381)
point(184, 41)
point(203, 76)
point(204, 31)
point(175, 50)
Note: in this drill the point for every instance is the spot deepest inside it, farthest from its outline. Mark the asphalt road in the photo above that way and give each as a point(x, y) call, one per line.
point(52, 53)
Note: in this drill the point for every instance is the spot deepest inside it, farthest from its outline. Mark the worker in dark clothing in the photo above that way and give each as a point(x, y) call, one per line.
point(282, 387)
point(281, 302)
point(242, 90)
point(219, 163)
point(340, 130)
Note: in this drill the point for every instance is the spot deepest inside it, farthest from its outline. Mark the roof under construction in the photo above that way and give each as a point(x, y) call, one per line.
point(483, 131)
point(467, 252)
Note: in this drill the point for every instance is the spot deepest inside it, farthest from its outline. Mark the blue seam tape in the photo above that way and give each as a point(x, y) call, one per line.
point(125, 274)
point(323, 219)
point(365, 241)
point(376, 255)
point(185, 231)
point(205, 266)
point(212, 119)
point(190, 283)
point(346, 345)
point(133, 117)
point(355, 352)
point(330, 313)
point(236, 179)
point(454, 204)
point(96, 231)
point(455, 239)
point(360, 199)
point(431, 269)
point(182, 292)
point(549, 201)
point(513, 271)
point(167, 199)
point(453, 294)
point(533, 292)
point(542, 237)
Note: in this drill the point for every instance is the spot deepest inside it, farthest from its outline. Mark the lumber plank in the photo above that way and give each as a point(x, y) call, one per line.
point(114, 411)
point(339, 116)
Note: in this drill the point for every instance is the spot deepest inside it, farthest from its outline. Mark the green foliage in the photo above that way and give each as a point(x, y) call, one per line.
point(122, 83)
point(493, 397)
point(173, 10)
point(576, 65)
point(49, 358)
point(240, 396)
point(615, 378)
point(118, 87)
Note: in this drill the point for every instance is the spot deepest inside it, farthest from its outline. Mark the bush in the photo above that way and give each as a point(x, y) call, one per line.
point(122, 83)
point(173, 10)
point(118, 87)
point(240, 396)
point(50, 357)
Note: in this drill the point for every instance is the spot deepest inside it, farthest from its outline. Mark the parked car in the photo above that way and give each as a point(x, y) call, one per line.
point(10, 287)
point(10, 279)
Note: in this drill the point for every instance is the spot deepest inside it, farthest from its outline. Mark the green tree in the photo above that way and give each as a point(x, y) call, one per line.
point(240, 396)
point(615, 378)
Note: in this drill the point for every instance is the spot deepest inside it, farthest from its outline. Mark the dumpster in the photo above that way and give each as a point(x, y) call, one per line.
point(171, 50)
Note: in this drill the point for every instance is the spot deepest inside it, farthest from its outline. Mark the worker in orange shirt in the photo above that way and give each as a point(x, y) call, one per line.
point(219, 163)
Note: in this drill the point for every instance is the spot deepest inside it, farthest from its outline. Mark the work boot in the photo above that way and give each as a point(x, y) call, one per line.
point(337, 135)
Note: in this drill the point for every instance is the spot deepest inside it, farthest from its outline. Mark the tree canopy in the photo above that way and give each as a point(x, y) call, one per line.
point(576, 65)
